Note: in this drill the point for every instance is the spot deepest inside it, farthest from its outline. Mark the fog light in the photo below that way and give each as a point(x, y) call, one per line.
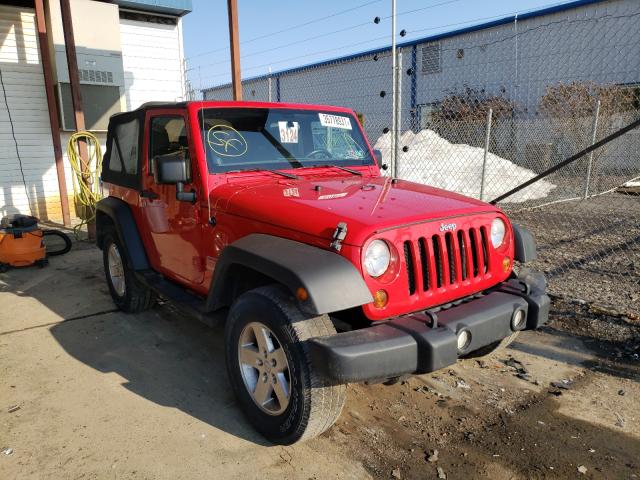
point(518, 320)
point(506, 263)
point(464, 340)
point(380, 299)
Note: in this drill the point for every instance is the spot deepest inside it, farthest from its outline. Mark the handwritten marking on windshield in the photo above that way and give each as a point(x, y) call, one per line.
point(226, 141)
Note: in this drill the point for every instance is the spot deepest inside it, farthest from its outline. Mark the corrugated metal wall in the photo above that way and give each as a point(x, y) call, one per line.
point(516, 59)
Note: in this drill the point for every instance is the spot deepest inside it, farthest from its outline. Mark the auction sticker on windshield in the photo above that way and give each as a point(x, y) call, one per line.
point(335, 121)
point(288, 132)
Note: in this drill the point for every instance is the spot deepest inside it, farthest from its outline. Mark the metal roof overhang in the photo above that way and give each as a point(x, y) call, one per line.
point(167, 7)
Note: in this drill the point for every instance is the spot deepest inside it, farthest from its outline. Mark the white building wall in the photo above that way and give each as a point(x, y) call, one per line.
point(152, 58)
point(26, 106)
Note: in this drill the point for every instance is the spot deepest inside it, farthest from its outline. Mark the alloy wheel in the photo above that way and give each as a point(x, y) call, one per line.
point(116, 270)
point(264, 368)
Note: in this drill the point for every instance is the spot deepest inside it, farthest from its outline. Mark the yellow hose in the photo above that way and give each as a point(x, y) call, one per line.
point(86, 185)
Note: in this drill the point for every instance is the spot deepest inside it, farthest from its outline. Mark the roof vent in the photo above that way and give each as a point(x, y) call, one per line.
point(96, 76)
point(431, 56)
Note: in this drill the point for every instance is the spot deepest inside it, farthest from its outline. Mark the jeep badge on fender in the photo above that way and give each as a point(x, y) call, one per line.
point(275, 218)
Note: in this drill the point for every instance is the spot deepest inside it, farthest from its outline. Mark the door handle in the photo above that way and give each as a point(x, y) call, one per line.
point(151, 195)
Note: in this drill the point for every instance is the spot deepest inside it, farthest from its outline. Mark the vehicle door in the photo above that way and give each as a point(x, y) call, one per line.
point(174, 228)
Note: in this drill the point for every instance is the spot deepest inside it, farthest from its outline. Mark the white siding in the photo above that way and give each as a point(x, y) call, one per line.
point(26, 105)
point(152, 60)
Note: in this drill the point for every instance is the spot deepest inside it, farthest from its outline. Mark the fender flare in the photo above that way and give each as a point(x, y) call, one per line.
point(125, 226)
point(524, 243)
point(332, 282)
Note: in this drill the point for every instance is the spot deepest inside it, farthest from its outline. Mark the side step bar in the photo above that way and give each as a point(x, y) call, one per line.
point(192, 304)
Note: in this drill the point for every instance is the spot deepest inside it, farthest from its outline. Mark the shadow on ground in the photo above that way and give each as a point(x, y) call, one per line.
point(168, 359)
point(584, 351)
point(162, 355)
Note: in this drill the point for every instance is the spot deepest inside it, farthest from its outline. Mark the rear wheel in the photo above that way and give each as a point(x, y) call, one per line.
point(270, 368)
point(128, 293)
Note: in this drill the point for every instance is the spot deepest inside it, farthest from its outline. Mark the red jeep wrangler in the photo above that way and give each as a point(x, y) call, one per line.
point(277, 216)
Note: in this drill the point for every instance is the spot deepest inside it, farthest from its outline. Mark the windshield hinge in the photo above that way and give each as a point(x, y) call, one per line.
point(338, 236)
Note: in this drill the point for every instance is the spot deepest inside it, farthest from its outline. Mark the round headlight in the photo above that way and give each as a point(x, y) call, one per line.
point(498, 229)
point(377, 258)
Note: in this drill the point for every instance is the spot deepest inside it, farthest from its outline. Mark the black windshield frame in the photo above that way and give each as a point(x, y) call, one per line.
point(240, 138)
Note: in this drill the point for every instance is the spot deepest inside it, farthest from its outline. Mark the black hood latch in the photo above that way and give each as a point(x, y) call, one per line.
point(338, 236)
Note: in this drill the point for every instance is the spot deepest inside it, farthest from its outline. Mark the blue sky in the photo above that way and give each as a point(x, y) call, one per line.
point(287, 33)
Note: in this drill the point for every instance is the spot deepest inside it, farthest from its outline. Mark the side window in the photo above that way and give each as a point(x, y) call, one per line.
point(168, 135)
point(121, 160)
point(124, 148)
point(115, 164)
point(127, 139)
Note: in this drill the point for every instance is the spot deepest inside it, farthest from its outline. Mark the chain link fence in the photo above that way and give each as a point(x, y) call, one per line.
point(482, 112)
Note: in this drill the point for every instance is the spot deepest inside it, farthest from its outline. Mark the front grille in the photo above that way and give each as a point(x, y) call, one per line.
point(411, 276)
point(445, 259)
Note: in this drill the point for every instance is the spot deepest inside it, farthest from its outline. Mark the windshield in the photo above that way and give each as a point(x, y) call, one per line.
point(262, 138)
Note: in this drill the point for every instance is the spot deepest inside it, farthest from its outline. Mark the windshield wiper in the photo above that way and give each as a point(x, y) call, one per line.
point(354, 172)
point(278, 172)
point(284, 174)
point(278, 146)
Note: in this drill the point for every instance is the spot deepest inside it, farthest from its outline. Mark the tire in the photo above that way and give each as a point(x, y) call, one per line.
point(131, 295)
point(493, 348)
point(313, 405)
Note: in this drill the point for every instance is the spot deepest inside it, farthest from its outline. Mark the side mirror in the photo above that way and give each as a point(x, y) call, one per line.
point(174, 169)
point(378, 154)
point(171, 168)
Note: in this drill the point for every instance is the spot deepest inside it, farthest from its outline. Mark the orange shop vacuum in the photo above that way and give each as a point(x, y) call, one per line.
point(22, 242)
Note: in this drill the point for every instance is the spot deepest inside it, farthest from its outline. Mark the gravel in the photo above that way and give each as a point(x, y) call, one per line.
point(590, 250)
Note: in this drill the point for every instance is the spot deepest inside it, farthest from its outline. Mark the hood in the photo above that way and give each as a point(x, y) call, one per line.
point(316, 205)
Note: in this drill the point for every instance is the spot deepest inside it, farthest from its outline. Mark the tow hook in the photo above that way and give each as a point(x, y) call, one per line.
point(338, 236)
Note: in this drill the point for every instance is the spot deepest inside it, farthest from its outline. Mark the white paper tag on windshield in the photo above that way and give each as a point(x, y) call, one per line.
point(335, 121)
point(288, 133)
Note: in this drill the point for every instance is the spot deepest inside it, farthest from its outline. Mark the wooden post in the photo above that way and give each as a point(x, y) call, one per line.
point(53, 110)
point(76, 97)
point(234, 44)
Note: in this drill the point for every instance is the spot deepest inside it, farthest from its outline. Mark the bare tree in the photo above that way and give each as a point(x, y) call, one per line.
point(461, 116)
point(571, 109)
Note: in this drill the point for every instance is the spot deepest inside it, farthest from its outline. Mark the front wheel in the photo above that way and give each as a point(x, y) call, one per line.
point(270, 368)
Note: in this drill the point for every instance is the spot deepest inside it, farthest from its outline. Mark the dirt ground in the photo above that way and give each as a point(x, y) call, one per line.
point(590, 249)
point(87, 392)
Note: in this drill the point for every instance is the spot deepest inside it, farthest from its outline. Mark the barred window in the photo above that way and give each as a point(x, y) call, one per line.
point(431, 58)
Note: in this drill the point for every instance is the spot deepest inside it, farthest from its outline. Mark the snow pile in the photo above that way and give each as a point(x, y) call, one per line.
point(434, 161)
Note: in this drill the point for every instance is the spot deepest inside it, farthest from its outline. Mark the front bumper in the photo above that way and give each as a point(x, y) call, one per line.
point(428, 341)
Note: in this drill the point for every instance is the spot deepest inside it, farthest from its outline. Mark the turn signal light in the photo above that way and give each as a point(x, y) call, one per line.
point(380, 299)
point(506, 263)
point(302, 294)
